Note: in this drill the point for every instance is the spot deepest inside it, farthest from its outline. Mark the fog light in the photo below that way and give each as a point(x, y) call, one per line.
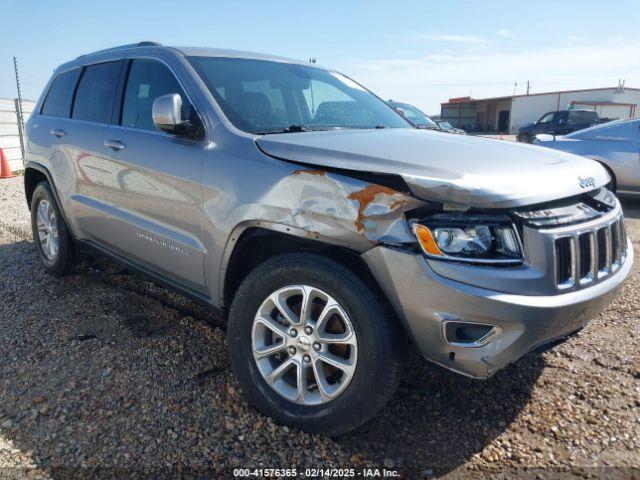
point(471, 335)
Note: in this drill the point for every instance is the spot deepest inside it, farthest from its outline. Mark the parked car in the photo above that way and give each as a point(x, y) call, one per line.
point(317, 221)
point(414, 115)
point(616, 145)
point(447, 127)
point(560, 122)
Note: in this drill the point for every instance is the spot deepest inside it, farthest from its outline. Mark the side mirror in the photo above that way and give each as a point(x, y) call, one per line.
point(167, 114)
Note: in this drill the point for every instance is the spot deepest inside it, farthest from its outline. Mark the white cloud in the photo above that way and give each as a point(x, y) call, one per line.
point(432, 79)
point(443, 37)
point(503, 32)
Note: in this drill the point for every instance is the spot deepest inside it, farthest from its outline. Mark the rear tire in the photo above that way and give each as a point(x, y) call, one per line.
point(524, 138)
point(377, 368)
point(51, 236)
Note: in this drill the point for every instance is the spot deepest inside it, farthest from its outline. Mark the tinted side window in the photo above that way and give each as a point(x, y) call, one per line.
point(148, 80)
point(58, 100)
point(581, 117)
point(96, 92)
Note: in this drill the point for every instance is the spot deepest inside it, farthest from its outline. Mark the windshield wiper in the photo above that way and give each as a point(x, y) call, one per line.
point(289, 129)
point(306, 128)
point(296, 128)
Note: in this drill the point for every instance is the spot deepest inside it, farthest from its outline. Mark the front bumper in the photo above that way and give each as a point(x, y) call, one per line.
point(424, 300)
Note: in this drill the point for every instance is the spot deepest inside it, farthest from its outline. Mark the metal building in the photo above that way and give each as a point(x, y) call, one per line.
point(508, 114)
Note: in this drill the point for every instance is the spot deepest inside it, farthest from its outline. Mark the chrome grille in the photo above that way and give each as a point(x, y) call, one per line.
point(588, 256)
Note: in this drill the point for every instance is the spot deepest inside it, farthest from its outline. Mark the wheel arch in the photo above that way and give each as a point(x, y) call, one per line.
point(609, 170)
point(32, 177)
point(255, 242)
point(34, 173)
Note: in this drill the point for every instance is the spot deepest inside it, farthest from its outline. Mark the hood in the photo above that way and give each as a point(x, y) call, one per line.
point(455, 169)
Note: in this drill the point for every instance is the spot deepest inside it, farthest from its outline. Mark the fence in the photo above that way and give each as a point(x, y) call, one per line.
point(10, 132)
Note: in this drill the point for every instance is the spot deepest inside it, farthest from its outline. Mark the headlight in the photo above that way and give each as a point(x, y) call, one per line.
point(480, 241)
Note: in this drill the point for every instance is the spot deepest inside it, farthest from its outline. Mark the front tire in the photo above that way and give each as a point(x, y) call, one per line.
point(51, 236)
point(312, 345)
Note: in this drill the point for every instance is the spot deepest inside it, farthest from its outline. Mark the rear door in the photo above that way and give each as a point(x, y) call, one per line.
point(82, 147)
point(49, 130)
point(154, 199)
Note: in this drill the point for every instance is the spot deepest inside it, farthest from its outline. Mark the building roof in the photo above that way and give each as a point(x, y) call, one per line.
point(457, 100)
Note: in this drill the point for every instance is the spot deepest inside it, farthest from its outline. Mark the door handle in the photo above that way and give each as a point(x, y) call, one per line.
point(57, 132)
point(114, 144)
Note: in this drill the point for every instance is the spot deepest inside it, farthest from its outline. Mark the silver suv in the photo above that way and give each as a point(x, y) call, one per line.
point(317, 221)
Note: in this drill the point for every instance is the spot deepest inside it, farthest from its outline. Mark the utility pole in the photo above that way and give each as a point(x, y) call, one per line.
point(515, 85)
point(19, 108)
point(15, 68)
point(528, 87)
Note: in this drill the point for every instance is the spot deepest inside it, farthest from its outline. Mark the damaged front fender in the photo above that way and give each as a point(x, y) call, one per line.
point(306, 202)
point(340, 209)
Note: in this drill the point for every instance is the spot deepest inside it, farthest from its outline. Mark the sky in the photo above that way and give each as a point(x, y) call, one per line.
point(421, 52)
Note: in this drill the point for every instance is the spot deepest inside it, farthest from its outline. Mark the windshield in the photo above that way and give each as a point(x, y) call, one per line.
point(445, 125)
point(414, 115)
point(261, 97)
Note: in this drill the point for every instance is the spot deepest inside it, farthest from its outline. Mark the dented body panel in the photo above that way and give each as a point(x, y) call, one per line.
point(282, 196)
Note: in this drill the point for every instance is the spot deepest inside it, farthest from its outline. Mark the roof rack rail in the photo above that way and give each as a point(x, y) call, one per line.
point(120, 47)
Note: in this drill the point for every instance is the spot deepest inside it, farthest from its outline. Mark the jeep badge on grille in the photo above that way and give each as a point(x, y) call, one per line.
point(586, 182)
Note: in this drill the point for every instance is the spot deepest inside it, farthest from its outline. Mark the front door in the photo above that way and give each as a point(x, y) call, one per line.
point(544, 125)
point(155, 204)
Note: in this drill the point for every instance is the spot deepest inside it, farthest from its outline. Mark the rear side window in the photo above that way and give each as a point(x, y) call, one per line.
point(58, 101)
point(148, 80)
point(582, 117)
point(96, 93)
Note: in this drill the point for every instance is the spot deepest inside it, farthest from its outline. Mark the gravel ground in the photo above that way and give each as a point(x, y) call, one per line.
point(106, 373)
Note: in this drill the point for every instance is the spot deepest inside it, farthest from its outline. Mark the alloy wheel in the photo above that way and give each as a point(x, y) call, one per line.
point(304, 345)
point(48, 230)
